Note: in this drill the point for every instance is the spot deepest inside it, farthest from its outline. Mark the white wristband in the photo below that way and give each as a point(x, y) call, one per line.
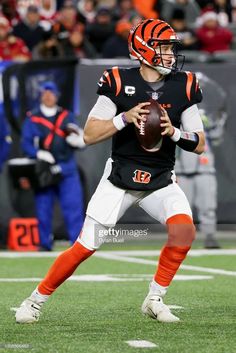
point(176, 135)
point(118, 121)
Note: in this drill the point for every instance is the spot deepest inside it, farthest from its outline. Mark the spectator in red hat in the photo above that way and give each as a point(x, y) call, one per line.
point(116, 46)
point(211, 36)
point(11, 47)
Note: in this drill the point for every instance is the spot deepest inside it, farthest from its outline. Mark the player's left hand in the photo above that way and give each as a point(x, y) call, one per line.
point(166, 125)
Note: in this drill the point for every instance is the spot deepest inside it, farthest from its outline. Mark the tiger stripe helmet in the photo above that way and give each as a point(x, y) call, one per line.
point(146, 37)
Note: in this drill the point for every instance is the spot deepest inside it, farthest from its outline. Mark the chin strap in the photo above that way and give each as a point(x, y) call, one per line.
point(163, 70)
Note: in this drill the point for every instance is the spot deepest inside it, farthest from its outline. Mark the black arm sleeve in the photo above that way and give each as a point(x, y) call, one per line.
point(188, 141)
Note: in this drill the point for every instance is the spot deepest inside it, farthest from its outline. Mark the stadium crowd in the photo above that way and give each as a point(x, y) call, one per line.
point(44, 29)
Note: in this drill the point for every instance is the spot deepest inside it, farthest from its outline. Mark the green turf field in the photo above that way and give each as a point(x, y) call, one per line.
point(99, 314)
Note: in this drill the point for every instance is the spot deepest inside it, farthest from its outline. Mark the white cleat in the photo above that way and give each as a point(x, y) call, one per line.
point(28, 312)
point(154, 307)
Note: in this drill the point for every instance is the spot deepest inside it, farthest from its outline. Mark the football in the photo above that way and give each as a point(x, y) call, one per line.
point(149, 133)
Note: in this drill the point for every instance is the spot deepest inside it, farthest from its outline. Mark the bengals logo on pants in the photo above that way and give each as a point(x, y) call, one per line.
point(141, 176)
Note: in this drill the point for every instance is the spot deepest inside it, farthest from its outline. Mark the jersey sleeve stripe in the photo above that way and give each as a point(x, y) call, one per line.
point(189, 84)
point(106, 74)
point(116, 75)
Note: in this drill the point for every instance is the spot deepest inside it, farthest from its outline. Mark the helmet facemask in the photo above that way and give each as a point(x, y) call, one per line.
point(160, 57)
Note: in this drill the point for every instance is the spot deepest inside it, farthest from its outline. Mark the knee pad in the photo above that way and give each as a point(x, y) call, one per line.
point(181, 230)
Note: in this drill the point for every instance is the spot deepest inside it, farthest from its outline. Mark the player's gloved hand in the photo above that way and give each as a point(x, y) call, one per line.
point(45, 156)
point(75, 140)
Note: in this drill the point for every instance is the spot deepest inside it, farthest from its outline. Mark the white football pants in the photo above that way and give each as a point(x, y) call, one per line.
point(109, 203)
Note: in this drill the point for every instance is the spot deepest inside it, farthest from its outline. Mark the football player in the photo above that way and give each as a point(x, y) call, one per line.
point(121, 105)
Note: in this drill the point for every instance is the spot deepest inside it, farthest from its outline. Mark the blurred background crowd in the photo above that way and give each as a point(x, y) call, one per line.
point(42, 29)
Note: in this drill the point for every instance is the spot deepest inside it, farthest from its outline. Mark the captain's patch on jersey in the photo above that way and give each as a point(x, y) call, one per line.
point(129, 90)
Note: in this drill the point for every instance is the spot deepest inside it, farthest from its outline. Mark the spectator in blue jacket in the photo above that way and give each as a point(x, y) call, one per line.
point(50, 134)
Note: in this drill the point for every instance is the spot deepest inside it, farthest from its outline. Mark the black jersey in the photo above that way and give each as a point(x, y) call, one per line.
point(134, 167)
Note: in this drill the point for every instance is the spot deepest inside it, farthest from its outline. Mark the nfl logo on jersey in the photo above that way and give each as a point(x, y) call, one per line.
point(155, 96)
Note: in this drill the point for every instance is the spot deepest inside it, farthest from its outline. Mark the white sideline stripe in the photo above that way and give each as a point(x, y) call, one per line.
point(141, 344)
point(197, 252)
point(21, 254)
point(193, 253)
point(113, 255)
point(33, 279)
point(218, 271)
point(110, 278)
point(128, 278)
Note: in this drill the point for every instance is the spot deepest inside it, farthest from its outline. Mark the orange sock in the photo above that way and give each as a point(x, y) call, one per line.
point(63, 267)
point(181, 233)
